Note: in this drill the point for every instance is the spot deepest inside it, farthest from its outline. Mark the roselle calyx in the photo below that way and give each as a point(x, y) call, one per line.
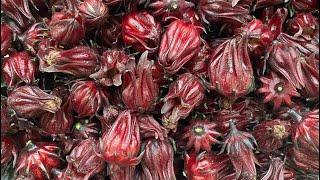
point(277, 21)
point(265, 3)
point(305, 46)
point(270, 135)
point(140, 30)
point(87, 97)
point(9, 151)
point(112, 66)
point(95, 12)
point(198, 65)
point(206, 165)
point(170, 8)
point(213, 11)
point(284, 59)
point(85, 159)
point(200, 134)
point(186, 93)
point(305, 137)
point(19, 11)
point(7, 117)
point(57, 123)
point(297, 64)
point(30, 102)
point(230, 70)
point(305, 5)
point(180, 42)
point(310, 71)
point(38, 159)
point(140, 89)
point(240, 146)
point(121, 173)
point(278, 90)
point(79, 61)
point(276, 170)
point(157, 161)
point(33, 36)
point(67, 28)
point(259, 37)
point(150, 128)
point(304, 24)
point(120, 145)
point(69, 173)
point(242, 113)
point(18, 68)
point(6, 38)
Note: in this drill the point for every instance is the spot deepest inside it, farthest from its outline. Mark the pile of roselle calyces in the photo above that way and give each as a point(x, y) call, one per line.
point(159, 89)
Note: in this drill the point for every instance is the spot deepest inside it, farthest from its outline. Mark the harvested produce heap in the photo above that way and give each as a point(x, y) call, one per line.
point(159, 89)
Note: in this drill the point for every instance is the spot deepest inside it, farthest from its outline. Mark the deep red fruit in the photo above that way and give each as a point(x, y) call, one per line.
point(9, 151)
point(305, 150)
point(206, 166)
point(239, 146)
point(305, 46)
point(277, 90)
point(276, 170)
point(184, 95)
point(223, 11)
point(87, 98)
point(265, 3)
point(242, 113)
point(230, 70)
point(95, 12)
point(179, 44)
point(18, 10)
point(67, 28)
point(200, 134)
point(157, 161)
point(6, 38)
point(304, 24)
point(276, 22)
point(38, 159)
point(18, 68)
point(298, 61)
point(31, 102)
point(198, 65)
point(170, 8)
point(150, 128)
point(305, 5)
point(310, 71)
point(57, 123)
point(121, 144)
point(284, 59)
point(78, 61)
point(270, 135)
point(84, 158)
point(109, 115)
point(69, 173)
point(122, 173)
point(140, 30)
point(33, 36)
point(112, 65)
point(140, 89)
point(191, 15)
point(260, 37)
point(6, 117)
